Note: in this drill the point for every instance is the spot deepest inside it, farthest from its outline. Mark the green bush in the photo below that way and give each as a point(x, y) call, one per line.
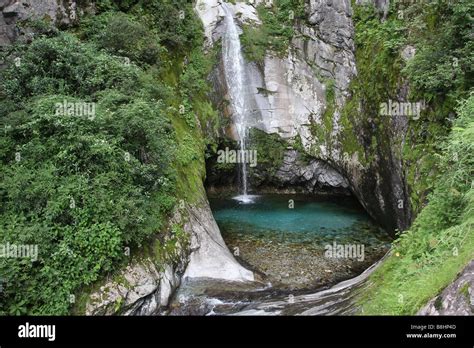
point(429, 256)
point(444, 62)
point(80, 188)
point(276, 29)
point(122, 35)
point(64, 65)
point(270, 151)
point(179, 28)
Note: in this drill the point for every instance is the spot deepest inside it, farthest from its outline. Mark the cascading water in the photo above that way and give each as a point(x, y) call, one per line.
point(286, 247)
point(234, 71)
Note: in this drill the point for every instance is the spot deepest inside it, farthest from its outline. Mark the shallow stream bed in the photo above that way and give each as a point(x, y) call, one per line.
point(300, 242)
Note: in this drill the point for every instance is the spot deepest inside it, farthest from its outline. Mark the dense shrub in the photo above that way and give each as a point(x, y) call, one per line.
point(80, 188)
point(63, 65)
point(441, 240)
point(276, 30)
point(444, 62)
point(122, 35)
point(175, 22)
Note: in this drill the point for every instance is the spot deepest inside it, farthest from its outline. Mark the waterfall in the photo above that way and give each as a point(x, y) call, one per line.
point(234, 71)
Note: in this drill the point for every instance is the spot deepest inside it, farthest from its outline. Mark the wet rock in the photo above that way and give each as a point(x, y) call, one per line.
point(311, 176)
point(210, 257)
point(127, 291)
point(211, 14)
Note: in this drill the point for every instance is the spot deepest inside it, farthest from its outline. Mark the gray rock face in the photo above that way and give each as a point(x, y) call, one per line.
point(288, 96)
point(332, 22)
point(457, 298)
point(312, 176)
point(210, 257)
point(145, 288)
point(135, 291)
point(211, 14)
point(60, 12)
point(285, 95)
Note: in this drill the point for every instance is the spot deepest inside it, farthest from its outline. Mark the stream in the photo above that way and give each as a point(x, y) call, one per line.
point(309, 256)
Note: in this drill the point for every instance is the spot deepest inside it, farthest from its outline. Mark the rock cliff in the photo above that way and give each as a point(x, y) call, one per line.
point(59, 12)
point(289, 96)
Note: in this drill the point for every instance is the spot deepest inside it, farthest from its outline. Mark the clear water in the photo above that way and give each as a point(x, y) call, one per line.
point(311, 219)
point(285, 248)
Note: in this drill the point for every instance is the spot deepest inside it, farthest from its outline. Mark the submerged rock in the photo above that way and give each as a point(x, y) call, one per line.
point(305, 244)
point(294, 265)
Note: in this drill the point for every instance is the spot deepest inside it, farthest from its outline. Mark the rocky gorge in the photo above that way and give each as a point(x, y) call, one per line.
point(315, 134)
point(290, 99)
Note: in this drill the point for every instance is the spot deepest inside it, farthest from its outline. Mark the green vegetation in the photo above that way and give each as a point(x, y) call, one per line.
point(379, 44)
point(441, 241)
point(441, 74)
point(276, 29)
point(378, 47)
point(121, 35)
point(438, 245)
point(270, 151)
point(443, 65)
point(84, 187)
